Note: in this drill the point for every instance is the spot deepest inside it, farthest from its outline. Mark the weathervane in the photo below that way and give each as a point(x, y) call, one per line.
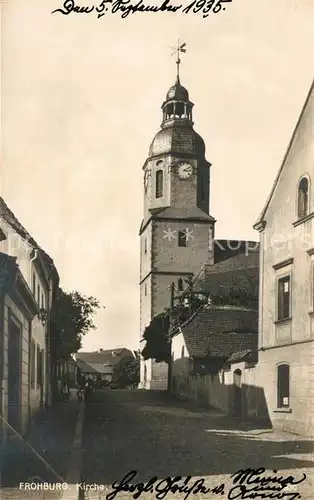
point(180, 48)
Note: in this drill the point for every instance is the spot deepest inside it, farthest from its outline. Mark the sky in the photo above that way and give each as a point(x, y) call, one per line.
point(80, 106)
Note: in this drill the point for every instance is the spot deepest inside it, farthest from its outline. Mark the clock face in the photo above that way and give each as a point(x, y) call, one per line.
point(185, 170)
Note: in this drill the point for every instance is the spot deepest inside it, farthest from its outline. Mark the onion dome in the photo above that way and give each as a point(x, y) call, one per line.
point(177, 92)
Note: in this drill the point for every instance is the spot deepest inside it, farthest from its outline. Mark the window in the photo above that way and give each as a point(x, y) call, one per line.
point(284, 298)
point(42, 301)
point(159, 183)
point(182, 352)
point(183, 241)
point(283, 383)
point(38, 295)
point(34, 284)
point(33, 361)
point(180, 284)
point(145, 245)
point(303, 197)
point(145, 289)
point(39, 366)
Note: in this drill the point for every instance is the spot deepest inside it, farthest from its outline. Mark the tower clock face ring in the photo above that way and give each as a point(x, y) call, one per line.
point(185, 170)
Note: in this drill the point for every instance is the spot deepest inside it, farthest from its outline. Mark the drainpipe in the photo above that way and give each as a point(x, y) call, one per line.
point(30, 265)
point(30, 330)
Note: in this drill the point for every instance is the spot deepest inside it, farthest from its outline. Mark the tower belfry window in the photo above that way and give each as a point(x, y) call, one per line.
point(159, 183)
point(182, 239)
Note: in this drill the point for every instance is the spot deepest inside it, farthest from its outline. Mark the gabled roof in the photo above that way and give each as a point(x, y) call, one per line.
point(13, 283)
point(263, 213)
point(98, 359)
point(84, 367)
point(220, 331)
point(12, 221)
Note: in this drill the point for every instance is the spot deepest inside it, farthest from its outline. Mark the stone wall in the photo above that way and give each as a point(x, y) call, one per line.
point(217, 391)
point(299, 417)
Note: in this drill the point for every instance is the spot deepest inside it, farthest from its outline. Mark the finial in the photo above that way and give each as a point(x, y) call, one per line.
point(180, 48)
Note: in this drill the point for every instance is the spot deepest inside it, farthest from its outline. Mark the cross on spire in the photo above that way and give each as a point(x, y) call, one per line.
point(180, 48)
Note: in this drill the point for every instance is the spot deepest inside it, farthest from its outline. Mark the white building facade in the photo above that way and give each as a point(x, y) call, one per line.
point(286, 309)
point(25, 343)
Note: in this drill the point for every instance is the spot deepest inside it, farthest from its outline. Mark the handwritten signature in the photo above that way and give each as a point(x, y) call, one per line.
point(125, 7)
point(248, 483)
point(163, 487)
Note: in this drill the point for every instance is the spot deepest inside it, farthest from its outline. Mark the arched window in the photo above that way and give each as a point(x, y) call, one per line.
point(180, 284)
point(303, 197)
point(159, 183)
point(283, 385)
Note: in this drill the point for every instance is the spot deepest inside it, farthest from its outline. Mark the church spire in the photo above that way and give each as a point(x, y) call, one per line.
point(177, 108)
point(180, 48)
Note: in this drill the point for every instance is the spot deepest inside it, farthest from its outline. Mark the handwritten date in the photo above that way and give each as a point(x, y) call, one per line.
point(206, 7)
point(126, 7)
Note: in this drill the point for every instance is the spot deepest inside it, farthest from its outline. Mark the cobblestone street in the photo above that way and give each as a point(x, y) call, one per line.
point(158, 436)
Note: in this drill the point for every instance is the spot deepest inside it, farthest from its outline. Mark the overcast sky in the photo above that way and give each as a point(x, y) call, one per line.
point(81, 104)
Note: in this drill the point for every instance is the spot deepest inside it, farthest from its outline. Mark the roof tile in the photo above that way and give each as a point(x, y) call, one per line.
point(221, 331)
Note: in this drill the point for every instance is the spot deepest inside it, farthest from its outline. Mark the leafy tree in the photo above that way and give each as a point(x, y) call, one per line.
point(157, 334)
point(127, 371)
point(71, 319)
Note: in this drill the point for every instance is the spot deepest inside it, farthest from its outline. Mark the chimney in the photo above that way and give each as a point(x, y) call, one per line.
point(100, 350)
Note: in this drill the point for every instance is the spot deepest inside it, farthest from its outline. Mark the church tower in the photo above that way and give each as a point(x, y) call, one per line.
point(177, 231)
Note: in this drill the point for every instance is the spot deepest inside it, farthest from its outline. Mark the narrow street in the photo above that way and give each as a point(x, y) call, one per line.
point(148, 432)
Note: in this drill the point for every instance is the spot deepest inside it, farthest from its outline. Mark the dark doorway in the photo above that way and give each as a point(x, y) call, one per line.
point(237, 394)
point(14, 376)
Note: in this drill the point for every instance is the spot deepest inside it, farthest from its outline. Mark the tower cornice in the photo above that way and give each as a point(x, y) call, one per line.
point(196, 220)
